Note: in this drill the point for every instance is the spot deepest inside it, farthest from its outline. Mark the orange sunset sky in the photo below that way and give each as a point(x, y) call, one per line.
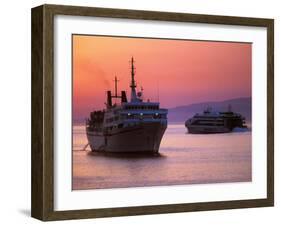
point(183, 71)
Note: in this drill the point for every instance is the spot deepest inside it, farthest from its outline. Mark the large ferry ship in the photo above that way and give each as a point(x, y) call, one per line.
point(129, 126)
point(215, 122)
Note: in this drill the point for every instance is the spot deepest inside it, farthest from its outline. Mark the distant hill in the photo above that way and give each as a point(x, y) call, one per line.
point(240, 105)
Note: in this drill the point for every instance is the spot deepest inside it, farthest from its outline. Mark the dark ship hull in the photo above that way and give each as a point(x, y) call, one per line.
point(207, 129)
point(143, 138)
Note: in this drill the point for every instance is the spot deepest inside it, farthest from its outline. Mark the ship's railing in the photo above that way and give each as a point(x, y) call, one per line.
point(142, 107)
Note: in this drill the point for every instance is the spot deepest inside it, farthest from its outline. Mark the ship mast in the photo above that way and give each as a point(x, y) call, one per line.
point(133, 83)
point(115, 83)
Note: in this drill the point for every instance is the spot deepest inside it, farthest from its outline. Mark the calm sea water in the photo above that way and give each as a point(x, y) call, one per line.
point(184, 159)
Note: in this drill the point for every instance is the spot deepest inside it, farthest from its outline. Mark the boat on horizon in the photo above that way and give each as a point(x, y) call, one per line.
point(215, 122)
point(130, 126)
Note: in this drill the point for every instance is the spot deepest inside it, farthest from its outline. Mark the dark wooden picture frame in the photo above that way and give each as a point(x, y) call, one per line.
point(42, 203)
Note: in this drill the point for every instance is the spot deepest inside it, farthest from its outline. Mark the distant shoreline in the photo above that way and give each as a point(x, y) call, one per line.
point(180, 114)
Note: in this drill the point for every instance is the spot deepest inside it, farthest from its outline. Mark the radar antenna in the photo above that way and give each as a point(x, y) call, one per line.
point(133, 82)
point(115, 83)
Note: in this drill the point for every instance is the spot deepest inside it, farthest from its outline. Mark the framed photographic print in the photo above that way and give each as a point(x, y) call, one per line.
point(141, 112)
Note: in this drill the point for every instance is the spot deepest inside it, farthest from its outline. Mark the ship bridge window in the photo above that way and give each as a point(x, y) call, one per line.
point(153, 107)
point(141, 107)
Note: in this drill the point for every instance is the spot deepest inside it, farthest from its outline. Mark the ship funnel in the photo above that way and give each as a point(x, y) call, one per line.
point(123, 97)
point(109, 100)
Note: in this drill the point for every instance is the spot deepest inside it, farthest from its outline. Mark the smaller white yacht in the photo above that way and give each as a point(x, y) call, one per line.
point(215, 122)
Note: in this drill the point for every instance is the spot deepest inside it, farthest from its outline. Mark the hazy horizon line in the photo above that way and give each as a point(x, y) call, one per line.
point(212, 101)
point(179, 106)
